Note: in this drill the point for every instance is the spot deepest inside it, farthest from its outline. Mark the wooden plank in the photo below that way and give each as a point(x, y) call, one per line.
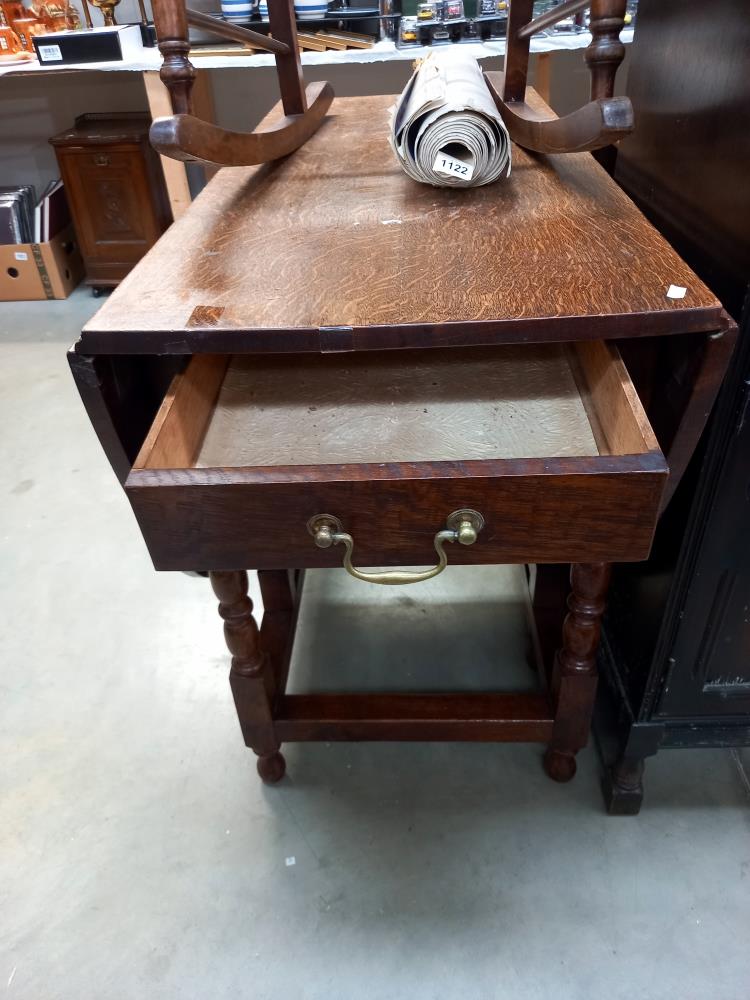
point(222, 50)
point(183, 417)
point(281, 607)
point(613, 401)
point(175, 177)
point(331, 42)
point(311, 42)
point(353, 39)
point(542, 75)
point(469, 717)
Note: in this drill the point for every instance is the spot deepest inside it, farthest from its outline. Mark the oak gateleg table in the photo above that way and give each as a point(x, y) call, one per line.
point(325, 363)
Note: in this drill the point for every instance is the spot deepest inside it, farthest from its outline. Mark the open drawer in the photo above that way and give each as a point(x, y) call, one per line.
point(548, 442)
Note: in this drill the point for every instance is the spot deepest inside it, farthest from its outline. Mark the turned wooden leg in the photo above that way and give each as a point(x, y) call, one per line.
point(250, 675)
point(623, 787)
point(574, 673)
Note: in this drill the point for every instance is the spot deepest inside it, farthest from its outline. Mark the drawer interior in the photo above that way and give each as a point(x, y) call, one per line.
point(510, 402)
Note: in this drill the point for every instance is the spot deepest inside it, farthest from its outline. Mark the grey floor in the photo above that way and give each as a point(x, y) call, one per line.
point(141, 857)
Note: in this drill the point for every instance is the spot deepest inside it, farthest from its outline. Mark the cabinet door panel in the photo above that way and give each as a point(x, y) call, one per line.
point(111, 203)
point(710, 662)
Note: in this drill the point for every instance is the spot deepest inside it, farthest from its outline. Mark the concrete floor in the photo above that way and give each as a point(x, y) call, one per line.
point(141, 857)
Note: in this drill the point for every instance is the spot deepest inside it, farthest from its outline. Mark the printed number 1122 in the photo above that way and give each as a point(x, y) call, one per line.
point(453, 166)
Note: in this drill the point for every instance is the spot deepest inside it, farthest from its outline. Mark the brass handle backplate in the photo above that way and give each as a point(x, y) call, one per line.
point(462, 526)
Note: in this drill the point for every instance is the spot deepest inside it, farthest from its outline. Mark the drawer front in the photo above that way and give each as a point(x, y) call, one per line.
point(557, 515)
point(208, 495)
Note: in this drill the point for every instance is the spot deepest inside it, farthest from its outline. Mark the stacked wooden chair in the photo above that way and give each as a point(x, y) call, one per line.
point(183, 136)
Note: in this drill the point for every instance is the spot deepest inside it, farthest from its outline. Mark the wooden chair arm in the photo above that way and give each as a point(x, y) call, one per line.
point(182, 136)
point(187, 138)
point(597, 124)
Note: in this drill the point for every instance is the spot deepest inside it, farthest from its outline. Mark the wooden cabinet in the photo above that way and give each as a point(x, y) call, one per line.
point(115, 187)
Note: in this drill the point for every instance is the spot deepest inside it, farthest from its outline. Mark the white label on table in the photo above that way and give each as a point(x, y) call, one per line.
point(50, 53)
point(676, 292)
point(19, 255)
point(452, 166)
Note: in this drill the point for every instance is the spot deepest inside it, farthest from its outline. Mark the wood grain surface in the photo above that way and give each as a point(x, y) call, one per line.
point(414, 716)
point(335, 248)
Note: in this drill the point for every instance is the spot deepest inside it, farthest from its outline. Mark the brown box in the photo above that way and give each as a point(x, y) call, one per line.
point(40, 270)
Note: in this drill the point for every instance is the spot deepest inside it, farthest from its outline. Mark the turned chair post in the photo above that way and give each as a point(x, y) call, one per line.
point(177, 72)
point(171, 19)
point(606, 51)
point(603, 56)
point(603, 121)
point(183, 136)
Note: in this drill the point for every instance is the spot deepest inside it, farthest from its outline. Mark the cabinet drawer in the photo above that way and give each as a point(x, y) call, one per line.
point(548, 442)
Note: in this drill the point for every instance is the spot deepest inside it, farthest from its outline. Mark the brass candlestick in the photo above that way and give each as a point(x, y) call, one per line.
point(107, 7)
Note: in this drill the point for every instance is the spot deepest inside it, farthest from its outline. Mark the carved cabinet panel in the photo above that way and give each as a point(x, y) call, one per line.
point(116, 192)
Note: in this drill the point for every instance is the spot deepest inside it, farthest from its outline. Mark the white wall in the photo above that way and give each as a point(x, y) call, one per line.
point(32, 108)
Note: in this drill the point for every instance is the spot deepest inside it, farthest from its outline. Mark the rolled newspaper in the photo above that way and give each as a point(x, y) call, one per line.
point(445, 128)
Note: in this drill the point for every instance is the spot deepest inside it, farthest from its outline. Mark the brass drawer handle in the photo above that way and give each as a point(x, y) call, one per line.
point(463, 526)
point(101, 160)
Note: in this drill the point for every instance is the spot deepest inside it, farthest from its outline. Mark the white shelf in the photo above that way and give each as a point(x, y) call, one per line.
point(383, 51)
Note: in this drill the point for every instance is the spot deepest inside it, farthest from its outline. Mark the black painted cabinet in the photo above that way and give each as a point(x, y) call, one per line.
point(708, 668)
point(675, 661)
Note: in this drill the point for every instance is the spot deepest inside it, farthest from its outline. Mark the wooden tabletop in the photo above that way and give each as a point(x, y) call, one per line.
point(335, 248)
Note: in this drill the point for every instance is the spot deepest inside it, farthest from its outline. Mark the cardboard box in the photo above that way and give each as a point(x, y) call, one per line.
point(40, 270)
point(105, 44)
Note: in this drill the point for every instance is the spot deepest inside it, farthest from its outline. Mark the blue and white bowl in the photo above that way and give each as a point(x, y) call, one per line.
point(238, 10)
point(310, 10)
point(263, 9)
